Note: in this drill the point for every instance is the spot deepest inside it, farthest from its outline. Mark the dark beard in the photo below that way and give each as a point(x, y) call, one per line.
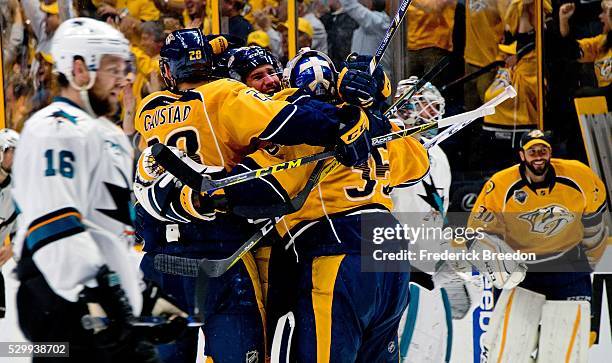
point(101, 107)
point(538, 172)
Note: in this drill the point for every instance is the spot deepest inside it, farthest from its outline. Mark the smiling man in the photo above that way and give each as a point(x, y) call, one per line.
point(551, 207)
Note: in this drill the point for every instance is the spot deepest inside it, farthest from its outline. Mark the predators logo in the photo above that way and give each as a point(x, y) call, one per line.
point(604, 68)
point(548, 220)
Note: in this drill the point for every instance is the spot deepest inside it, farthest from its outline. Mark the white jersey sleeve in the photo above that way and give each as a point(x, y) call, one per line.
point(72, 180)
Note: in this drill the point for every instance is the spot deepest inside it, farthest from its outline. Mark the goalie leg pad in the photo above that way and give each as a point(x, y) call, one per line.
point(513, 328)
point(564, 336)
point(426, 328)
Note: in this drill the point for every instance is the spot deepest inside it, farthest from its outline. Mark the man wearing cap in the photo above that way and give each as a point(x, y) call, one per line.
point(554, 208)
point(44, 19)
point(305, 33)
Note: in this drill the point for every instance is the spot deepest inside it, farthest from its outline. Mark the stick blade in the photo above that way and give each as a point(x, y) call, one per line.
point(211, 268)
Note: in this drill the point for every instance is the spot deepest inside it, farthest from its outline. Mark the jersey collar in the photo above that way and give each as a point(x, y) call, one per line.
point(66, 100)
point(548, 182)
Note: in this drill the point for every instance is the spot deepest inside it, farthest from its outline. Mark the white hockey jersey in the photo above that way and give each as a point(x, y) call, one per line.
point(72, 177)
point(7, 210)
point(424, 205)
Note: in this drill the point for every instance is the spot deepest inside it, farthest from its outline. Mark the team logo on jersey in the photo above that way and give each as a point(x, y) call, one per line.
point(391, 347)
point(252, 357)
point(489, 187)
point(520, 196)
point(548, 220)
point(604, 68)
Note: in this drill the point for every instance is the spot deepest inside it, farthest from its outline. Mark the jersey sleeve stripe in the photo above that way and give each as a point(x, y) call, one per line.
point(53, 226)
point(276, 124)
point(595, 218)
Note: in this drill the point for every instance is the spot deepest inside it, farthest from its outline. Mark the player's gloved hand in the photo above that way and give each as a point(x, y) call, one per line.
point(356, 87)
point(504, 274)
point(164, 197)
point(156, 303)
point(108, 299)
point(462, 292)
point(220, 43)
point(354, 144)
point(362, 63)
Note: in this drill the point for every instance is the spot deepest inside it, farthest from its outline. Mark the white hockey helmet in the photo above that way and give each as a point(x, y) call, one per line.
point(426, 105)
point(8, 139)
point(89, 39)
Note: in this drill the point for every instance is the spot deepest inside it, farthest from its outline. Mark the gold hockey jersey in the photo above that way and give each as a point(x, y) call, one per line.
point(546, 218)
point(346, 189)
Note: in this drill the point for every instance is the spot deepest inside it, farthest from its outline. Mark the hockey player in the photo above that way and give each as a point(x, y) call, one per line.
point(237, 119)
point(424, 205)
point(8, 141)
point(555, 209)
point(341, 313)
point(551, 207)
point(72, 183)
point(257, 68)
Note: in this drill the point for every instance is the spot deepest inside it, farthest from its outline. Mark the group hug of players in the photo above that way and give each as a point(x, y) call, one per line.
point(226, 110)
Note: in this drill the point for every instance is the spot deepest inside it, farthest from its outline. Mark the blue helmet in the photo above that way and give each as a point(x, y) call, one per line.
point(220, 60)
point(187, 55)
point(312, 70)
point(246, 59)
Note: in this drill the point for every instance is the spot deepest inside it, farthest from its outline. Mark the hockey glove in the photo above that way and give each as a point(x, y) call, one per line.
point(108, 299)
point(356, 87)
point(362, 63)
point(462, 293)
point(354, 143)
point(156, 303)
point(504, 274)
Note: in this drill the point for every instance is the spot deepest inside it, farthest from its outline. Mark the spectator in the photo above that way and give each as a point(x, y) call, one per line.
point(147, 60)
point(259, 38)
point(44, 19)
point(238, 25)
point(484, 31)
point(430, 34)
point(373, 23)
point(144, 10)
point(319, 36)
point(340, 27)
point(596, 50)
point(194, 16)
point(13, 32)
point(44, 85)
point(262, 21)
point(304, 40)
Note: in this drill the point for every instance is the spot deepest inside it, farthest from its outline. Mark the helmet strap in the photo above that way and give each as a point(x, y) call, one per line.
point(83, 91)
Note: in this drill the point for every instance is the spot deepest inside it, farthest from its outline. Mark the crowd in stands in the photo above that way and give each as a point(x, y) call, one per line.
point(494, 37)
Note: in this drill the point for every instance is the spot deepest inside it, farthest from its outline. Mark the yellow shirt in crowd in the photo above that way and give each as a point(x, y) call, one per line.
point(593, 52)
point(427, 30)
point(484, 29)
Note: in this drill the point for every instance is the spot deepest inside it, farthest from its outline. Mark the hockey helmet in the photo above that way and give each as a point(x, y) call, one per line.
point(220, 59)
point(187, 55)
point(312, 70)
point(90, 40)
point(8, 139)
point(246, 59)
point(426, 105)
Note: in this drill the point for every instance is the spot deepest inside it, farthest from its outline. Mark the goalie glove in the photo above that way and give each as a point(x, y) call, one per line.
point(462, 290)
point(504, 274)
point(164, 197)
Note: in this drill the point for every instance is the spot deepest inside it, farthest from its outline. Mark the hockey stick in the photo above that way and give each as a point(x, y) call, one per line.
point(486, 109)
point(215, 268)
point(473, 75)
point(169, 161)
point(427, 77)
point(393, 27)
point(89, 322)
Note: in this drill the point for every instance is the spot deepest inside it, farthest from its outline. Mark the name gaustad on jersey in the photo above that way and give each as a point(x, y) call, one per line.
point(171, 114)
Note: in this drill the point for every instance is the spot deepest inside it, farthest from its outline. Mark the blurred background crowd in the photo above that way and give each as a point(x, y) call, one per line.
point(498, 39)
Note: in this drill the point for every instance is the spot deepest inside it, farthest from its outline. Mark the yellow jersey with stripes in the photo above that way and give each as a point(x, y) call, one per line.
point(547, 218)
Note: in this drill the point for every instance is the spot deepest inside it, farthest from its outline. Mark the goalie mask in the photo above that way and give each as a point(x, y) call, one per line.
point(426, 105)
point(313, 71)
